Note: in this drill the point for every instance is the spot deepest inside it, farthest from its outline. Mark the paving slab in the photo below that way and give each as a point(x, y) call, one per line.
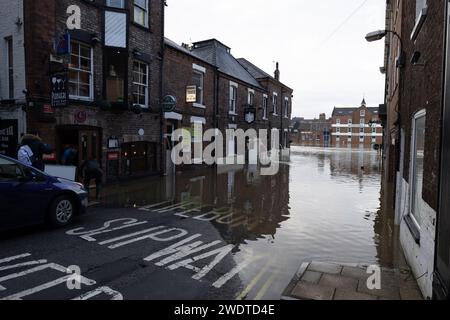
point(325, 267)
point(338, 282)
point(310, 291)
point(342, 294)
point(312, 277)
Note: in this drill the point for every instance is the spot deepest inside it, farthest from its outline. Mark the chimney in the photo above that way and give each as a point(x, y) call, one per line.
point(322, 117)
point(277, 73)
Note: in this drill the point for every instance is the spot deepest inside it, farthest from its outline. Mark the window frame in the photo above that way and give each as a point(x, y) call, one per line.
point(232, 99)
point(146, 86)
point(91, 72)
point(265, 106)
point(108, 4)
point(199, 103)
point(275, 103)
point(146, 10)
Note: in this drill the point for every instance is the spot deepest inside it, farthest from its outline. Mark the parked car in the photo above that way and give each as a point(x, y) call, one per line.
point(29, 197)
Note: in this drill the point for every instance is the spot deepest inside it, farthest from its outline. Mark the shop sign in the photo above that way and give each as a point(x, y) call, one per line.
point(113, 156)
point(250, 115)
point(191, 94)
point(60, 92)
point(169, 103)
point(9, 137)
point(62, 44)
point(80, 116)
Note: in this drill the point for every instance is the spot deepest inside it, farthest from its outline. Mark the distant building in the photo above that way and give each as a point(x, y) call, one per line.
point(312, 132)
point(356, 127)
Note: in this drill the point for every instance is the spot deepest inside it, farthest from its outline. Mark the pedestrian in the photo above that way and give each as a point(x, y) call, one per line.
point(90, 169)
point(32, 149)
point(70, 156)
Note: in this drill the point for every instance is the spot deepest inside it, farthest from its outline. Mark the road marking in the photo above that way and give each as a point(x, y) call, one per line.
point(115, 295)
point(255, 280)
point(129, 235)
point(153, 236)
point(146, 208)
point(20, 256)
point(227, 277)
point(265, 287)
point(177, 206)
point(24, 264)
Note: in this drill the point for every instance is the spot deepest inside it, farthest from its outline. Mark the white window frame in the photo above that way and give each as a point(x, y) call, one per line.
point(265, 106)
point(91, 74)
point(362, 122)
point(286, 107)
point(362, 113)
point(201, 71)
point(146, 106)
point(146, 9)
point(275, 103)
point(249, 93)
point(122, 4)
point(338, 121)
point(350, 122)
point(232, 101)
point(421, 14)
point(417, 116)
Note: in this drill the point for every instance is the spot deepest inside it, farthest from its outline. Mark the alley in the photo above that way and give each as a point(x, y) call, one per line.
point(206, 234)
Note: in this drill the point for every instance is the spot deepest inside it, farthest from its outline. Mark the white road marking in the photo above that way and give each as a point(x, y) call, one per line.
point(177, 206)
point(129, 235)
point(106, 225)
point(147, 208)
point(115, 295)
point(173, 248)
point(23, 264)
point(154, 237)
point(20, 256)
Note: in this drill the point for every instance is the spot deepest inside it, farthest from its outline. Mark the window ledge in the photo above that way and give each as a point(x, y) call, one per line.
point(415, 232)
point(419, 23)
point(198, 105)
point(275, 115)
point(265, 119)
point(232, 113)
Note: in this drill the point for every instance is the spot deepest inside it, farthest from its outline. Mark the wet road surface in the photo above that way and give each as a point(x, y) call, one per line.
point(202, 234)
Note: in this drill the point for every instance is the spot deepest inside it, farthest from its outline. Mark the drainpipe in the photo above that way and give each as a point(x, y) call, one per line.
point(161, 93)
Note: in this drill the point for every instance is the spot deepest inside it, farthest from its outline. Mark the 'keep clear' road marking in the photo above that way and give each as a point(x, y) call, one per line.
point(41, 265)
point(186, 253)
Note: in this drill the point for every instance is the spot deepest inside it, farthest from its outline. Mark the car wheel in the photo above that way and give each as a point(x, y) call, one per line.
point(62, 211)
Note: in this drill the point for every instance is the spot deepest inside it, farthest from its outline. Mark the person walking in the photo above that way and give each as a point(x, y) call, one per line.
point(90, 169)
point(31, 151)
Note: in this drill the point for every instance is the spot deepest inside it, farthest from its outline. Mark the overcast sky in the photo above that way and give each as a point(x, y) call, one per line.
point(320, 44)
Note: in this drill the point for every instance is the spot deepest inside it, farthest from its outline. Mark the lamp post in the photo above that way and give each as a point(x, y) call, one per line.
point(380, 34)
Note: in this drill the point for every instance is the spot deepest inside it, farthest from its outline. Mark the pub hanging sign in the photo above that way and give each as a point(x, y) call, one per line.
point(60, 90)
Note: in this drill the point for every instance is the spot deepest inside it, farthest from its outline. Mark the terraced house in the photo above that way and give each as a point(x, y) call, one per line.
point(93, 78)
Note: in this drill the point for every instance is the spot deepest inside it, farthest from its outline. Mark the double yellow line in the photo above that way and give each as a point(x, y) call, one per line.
point(255, 281)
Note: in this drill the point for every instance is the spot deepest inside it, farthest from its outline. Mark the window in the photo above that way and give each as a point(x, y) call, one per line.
point(10, 171)
point(374, 140)
point(349, 139)
point(115, 29)
point(361, 130)
point(338, 130)
point(374, 130)
point(116, 3)
point(338, 121)
point(265, 105)
point(362, 113)
point(417, 166)
point(197, 80)
point(140, 84)
point(286, 108)
point(80, 72)
point(251, 97)
point(361, 139)
point(10, 66)
point(141, 12)
point(233, 98)
point(350, 122)
point(275, 104)
point(116, 74)
point(362, 122)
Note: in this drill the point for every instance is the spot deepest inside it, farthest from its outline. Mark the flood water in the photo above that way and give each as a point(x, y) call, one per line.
point(324, 205)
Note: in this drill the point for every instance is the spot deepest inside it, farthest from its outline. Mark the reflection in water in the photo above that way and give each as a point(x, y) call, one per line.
point(323, 205)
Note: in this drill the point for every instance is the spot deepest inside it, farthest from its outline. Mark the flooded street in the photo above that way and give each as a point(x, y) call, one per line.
point(322, 206)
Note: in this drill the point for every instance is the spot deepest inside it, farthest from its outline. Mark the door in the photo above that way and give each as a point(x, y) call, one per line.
point(442, 273)
point(89, 144)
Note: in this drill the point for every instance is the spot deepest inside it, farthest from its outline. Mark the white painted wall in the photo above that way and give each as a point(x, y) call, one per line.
point(419, 257)
point(10, 11)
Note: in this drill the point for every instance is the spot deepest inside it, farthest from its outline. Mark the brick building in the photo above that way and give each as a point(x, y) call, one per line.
point(312, 132)
point(356, 127)
point(413, 127)
point(111, 67)
point(227, 90)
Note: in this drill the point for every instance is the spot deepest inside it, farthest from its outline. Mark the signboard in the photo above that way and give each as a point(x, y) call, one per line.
point(191, 94)
point(113, 156)
point(9, 137)
point(60, 92)
point(62, 45)
point(250, 115)
point(169, 103)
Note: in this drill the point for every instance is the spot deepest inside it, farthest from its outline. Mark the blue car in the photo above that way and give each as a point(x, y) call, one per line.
point(29, 197)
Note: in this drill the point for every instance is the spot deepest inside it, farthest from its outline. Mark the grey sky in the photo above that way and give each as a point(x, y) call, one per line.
point(324, 71)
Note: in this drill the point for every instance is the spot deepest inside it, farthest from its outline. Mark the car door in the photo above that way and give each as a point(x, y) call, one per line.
point(24, 195)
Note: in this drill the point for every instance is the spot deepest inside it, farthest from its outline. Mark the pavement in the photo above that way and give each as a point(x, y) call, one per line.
point(340, 281)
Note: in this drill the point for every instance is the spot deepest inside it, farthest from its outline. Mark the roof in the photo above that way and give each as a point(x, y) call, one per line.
point(219, 55)
point(256, 72)
point(348, 111)
point(182, 49)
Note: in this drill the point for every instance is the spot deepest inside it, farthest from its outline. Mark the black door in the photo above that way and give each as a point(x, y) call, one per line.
point(442, 273)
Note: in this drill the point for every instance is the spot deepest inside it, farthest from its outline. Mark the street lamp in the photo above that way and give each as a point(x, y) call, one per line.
point(380, 34)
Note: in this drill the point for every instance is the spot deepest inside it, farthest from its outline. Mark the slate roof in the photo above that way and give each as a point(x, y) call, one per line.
point(182, 49)
point(348, 111)
point(219, 55)
point(256, 72)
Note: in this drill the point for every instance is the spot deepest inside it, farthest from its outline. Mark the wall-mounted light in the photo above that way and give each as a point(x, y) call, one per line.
point(380, 34)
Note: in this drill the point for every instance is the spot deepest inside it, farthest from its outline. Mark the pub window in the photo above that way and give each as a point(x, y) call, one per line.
point(80, 72)
point(197, 80)
point(141, 12)
point(116, 3)
point(140, 84)
point(10, 66)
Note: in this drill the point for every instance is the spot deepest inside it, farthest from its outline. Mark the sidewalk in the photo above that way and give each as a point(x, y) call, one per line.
point(333, 281)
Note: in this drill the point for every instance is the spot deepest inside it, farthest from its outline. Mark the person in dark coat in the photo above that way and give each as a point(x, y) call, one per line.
point(38, 148)
point(90, 169)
